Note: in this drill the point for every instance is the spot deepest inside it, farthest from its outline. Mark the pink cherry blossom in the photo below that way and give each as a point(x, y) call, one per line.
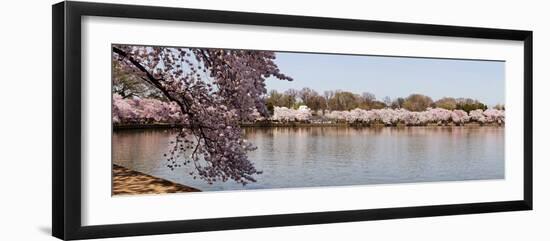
point(284, 114)
point(389, 116)
point(215, 90)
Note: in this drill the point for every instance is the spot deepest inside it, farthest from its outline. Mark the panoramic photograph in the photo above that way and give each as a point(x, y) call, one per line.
point(188, 119)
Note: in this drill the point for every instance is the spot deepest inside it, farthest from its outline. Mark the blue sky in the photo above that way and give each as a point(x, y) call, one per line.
point(392, 76)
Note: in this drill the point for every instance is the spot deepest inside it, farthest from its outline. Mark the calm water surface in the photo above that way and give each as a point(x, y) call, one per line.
point(335, 156)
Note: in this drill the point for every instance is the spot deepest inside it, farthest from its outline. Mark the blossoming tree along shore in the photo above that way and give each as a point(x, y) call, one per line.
point(418, 118)
point(288, 115)
point(144, 111)
point(215, 90)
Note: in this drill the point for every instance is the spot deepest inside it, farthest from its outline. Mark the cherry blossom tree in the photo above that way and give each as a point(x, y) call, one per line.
point(215, 90)
point(441, 116)
point(460, 117)
point(282, 114)
point(136, 110)
point(438, 115)
point(477, 115)
point(285, 114)
point(340, 116)
point(494, 116)
point(303, 113)
point(257, 116)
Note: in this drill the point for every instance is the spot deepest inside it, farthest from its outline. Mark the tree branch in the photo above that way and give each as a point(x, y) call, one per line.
point(151, 78)
point(185, 107)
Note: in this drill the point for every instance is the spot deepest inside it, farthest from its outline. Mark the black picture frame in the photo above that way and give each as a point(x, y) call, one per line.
point(66, 127)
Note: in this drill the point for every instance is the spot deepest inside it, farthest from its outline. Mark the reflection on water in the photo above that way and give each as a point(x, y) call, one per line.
point(335, 156)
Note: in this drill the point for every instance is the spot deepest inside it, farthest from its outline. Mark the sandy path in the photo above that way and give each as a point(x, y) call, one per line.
point(128, 182)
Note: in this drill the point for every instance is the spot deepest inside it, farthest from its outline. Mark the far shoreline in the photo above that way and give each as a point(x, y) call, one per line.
point(117, 127)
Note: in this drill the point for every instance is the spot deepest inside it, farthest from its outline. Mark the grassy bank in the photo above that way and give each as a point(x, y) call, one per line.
point(128, 182)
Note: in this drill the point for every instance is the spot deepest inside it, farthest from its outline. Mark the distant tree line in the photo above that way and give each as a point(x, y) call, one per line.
point(338, 100)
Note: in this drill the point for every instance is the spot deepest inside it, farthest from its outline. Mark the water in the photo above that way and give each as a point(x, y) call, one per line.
point(336, 156)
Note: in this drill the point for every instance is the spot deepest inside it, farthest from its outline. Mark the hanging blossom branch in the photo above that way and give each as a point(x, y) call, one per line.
point(215, 89)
